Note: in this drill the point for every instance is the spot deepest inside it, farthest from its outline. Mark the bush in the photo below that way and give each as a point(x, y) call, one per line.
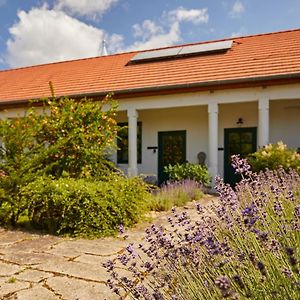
point(191, 171)
point(273, 156)
point(82, 207)
point(176, 193)
point(245, 246)
point(65, 136)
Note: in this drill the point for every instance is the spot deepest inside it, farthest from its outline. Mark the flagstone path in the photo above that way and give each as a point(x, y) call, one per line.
point(45, 267)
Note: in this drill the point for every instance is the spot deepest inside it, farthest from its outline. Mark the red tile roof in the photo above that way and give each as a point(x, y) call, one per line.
point(251, 58)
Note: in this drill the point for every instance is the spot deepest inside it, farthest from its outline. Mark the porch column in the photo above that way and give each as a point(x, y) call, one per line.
point(132, 115)
point(213, 110)
point(263, 122)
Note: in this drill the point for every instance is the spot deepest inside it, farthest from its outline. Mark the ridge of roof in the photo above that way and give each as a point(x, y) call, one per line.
point(147, 50)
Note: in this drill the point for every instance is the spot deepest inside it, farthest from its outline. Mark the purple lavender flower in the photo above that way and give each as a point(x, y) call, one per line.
point(240, 165)
point(143, 291)
point(224, 284)
point(121, 229)
point(245, 226)
point(200, 208)
point(109, 265)
point(287, 272)
point(124, 259)
point(158, 295)
point(130, 248)
point(261, 268)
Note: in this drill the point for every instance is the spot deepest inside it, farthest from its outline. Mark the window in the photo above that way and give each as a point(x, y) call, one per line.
point(122, 153)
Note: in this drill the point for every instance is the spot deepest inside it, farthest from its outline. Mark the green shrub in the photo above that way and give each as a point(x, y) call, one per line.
point(273, 156)
point(85, 208)
point(191, 171)
point(66, 136)
point(176, 194)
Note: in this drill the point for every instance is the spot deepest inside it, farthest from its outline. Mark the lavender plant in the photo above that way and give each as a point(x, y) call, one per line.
point(244, 246)
point(176, 193)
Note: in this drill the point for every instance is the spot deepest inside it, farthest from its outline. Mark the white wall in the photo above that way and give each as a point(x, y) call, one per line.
point(192, 119)
point(285, 122)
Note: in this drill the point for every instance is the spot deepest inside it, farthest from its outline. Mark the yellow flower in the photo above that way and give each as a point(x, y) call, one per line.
point(281, 146)
point(264, 153)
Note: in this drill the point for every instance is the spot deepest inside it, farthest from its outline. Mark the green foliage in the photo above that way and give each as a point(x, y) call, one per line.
point(83, 207)
point(176, 194)
point(15, 165)
point(58, 137)
point(77, 136)
point(273, 156)
point(191, 171)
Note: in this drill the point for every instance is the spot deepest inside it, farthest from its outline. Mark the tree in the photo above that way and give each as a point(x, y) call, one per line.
point(56, 137)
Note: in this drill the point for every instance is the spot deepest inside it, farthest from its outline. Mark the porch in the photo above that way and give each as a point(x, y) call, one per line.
point(203, 119)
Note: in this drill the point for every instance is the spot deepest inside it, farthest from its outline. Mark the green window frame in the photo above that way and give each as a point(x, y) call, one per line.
point(122, 143)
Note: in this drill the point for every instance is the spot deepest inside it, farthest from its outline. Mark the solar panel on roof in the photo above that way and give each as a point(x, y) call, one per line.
point(156, 54)
point(217, 46)
point(181, 51)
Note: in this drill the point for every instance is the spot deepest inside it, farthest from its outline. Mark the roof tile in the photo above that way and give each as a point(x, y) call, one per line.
point(251, 56)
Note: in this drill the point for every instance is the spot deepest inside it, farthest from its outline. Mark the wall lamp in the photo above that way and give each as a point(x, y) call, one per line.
point(240, 121)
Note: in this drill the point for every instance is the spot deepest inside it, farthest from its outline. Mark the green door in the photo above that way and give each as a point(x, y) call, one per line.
point(171, 150)
point(237, 141)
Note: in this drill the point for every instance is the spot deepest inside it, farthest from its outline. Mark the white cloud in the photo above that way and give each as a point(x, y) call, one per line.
point(241, 32)
point(237, 9)
point(91, 8)
point(114, 43)
point(196, 16)
point(171, 37)
point(166, 32)
point(147, 29)
point(43, 35)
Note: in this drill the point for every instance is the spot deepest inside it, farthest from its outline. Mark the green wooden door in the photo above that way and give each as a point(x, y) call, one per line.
point(171, 150)
point(237, 141)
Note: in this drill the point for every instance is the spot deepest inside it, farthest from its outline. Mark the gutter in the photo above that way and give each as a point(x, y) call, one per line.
point(208, 84)
point(219, 84)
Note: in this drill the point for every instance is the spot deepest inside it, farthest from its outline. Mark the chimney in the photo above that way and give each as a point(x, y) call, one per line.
point(103, 49)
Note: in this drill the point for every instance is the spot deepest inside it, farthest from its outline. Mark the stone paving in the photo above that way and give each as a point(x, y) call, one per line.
point(45, 267)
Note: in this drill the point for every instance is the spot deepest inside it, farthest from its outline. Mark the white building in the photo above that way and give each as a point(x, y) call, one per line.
point(220, 97)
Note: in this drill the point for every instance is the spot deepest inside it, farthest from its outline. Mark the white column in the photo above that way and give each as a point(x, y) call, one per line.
point(213, 140)
point(263, 122)
point(132, 115)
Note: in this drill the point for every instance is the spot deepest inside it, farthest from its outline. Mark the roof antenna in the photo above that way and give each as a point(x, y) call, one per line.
point(103, 49)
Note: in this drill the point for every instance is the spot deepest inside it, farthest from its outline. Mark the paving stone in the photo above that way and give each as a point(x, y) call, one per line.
point(103, 247)
point(91, 259)
point(9, 237)
point(75, 289)
point(71, 267)
point(7, 288)
point(9, 269)
point(75, 269)
point(4, 279)
point(34, 293)
point(33, 275)
point(36, 243)
point(28, 258)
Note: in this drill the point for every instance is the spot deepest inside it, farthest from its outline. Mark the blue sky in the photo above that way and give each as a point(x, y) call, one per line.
point(40, 31)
